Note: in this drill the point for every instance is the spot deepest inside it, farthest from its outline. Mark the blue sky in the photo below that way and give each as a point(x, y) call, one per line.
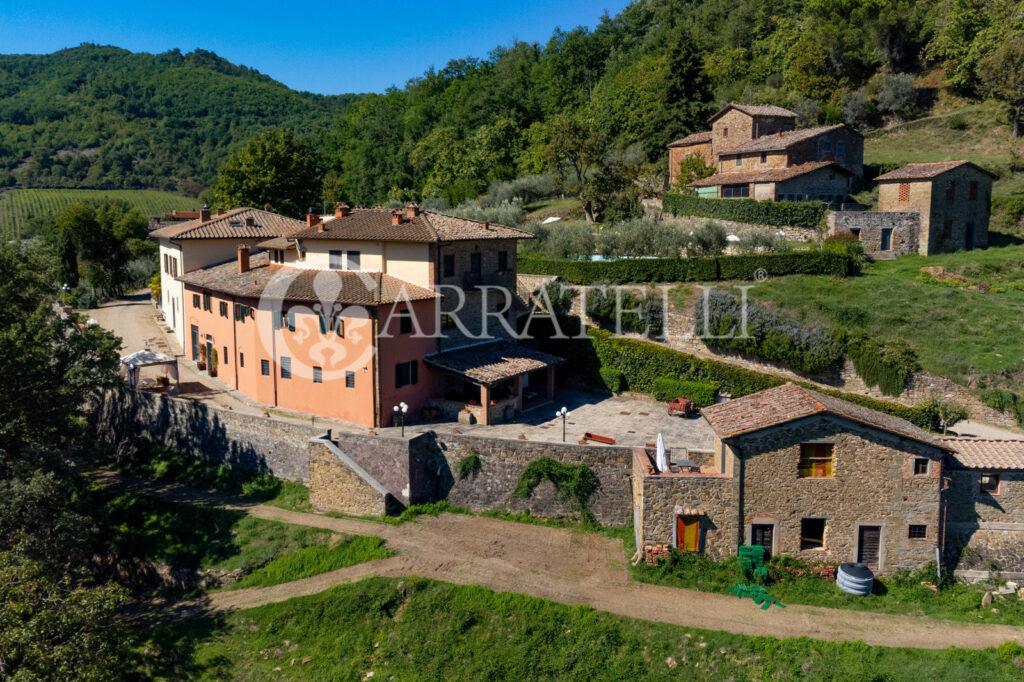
point(324, 47)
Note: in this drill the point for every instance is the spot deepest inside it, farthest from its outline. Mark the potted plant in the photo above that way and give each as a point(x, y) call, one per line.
point(213, 362)
point(201, 362)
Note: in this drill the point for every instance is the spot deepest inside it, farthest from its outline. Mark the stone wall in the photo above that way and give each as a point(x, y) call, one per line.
point(210, 433)
point(740, 229)
point(338, 484)
point(873, 484)
point(713, 497)
point(502, 462)
point(905, 226)
point(983, 529)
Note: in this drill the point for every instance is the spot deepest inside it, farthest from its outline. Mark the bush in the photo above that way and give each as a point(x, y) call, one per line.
point(743, 267)
point(769, 336)
point(612, 378)
point(957, 122)
point(778, 213)
point(759, 241)
point(846, 244)
point(641, 239)
point(526, 188)
point(702, 393)
point(611, 308)
point(509, 213)
point(561, 239)
point(709, 239)
point(469, 466)
point(556, 296)
point(574, 482)
point(1006, 401)
point(885, 364)
point(896, 94)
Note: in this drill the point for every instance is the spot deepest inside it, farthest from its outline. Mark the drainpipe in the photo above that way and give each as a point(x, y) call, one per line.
point(378, 419)
point(273, 355)
point(234, 336)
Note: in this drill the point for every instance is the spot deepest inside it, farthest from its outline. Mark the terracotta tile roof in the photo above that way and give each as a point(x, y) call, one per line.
point(374, 224)
point(923, 171)
point(790, 402)
point(696, 138)
point(491, 362)
point(766, 175)
point(781, 141)
point(238, 223)
point(755, 110)
point(987, 453)
point(296, 284)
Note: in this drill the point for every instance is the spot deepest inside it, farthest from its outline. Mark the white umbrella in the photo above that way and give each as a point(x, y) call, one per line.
point(552, 219)
point(732, 238)
point(661, 460)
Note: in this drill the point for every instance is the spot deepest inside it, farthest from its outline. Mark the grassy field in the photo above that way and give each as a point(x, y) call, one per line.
point(416, 629)
point(20, 206)
point(257, 551)
point(971, 337)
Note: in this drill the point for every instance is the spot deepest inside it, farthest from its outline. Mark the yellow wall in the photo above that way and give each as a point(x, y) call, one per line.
point(318, 257)
point(410, 262)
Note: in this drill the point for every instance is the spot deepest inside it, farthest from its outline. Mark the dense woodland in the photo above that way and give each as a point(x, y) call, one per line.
point(106, 118)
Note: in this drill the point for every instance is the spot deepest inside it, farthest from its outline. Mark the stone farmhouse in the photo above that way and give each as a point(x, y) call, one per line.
point(758, 153)
point(348, 316)
point(803, 474)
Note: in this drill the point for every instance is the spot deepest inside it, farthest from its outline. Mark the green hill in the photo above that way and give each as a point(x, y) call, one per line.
point(22, 209)
point(103, 117)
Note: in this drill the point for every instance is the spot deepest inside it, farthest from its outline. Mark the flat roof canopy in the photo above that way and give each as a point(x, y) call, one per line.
point(493, 361)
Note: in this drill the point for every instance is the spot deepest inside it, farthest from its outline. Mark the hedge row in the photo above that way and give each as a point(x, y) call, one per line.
point(778, 213)
point(740, 267)
point(642, 363)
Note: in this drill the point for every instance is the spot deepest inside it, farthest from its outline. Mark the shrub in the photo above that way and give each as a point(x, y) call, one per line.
point(574, 482)
point(846, 244)
point(778, 213)
point(469, 466)
point(709, 239)
point(957, 122)
point(769, 336)
point(759, 241)
point(745, 267)
point(702, 393)
point(1006, 401)
point(562, 239)
point(885, 364)
point(526, 188)
point(641, 239)
point(896, 94)
point(556, 296)
point(644, 315)
point(506, 213)
point(612, 378)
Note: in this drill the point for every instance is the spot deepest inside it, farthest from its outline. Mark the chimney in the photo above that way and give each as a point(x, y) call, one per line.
point(267, 207)
point(341, 209)
point(321, 227)
point(204, 213)
point(411, 211)
point(487, 225)
point(396, 218)
point(312, 218)
point(243, 259)
point(220, 210)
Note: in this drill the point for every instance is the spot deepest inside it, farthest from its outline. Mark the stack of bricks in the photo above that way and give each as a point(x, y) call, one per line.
point(654, 552)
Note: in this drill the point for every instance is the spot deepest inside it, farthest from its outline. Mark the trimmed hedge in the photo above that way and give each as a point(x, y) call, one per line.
point(777, 213)
point(702, 393)
point(612, 378)
point(741, 267)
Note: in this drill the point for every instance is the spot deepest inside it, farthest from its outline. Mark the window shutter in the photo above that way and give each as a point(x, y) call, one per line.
point(291, 320)
point(323, 323)
point(340, 327)
point(277, 321)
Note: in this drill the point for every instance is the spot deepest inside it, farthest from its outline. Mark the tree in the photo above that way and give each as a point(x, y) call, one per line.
point(576, 146)
point(275, 168)
point(1002, 72)
point(896, 95)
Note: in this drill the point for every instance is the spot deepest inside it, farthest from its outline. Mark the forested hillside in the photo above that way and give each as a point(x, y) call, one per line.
point(102, 117)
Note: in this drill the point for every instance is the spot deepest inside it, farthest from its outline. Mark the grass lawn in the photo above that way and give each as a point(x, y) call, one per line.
point(569, 208)
point(209, 538)
point(971, 337)
point(901, 593)
point(417, 629)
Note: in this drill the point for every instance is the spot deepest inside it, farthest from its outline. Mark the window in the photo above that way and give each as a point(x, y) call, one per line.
point(318, 375)
point(764, 157)
point(739, 161)
point(449, 265)
point(353, 261)
point(827, 147)
point(816, 460)
point(286, 367)
point(502, 261)
point(241, 312)
point(339, 327)
point(241, 359)
point(917, 531)
point(350, 379)
point(405, 323)
point(206, 302)
point(265, 367)
point(840, 149)
point(973, 191)
point(405, 373)
point(224, 358)
point(951, 191)
point(812, 533)
point(174, 266)
point(920, 466)
point(285, 319)
point(195, 301)
point(447, 320)
point(947, 229)
point(725, 131)
point(990, 484)
point(904, 191)
point(336, 263)
point(167, 264)
point(223, 309)
point(474, 263)
point(735, 191)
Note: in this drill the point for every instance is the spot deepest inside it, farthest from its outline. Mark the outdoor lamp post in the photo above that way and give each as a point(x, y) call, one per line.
point(564, 414)
point(400, 410)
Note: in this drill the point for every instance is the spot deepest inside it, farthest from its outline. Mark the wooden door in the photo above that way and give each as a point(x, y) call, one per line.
point(868, 546)
point(688, 533)
point(762, 534)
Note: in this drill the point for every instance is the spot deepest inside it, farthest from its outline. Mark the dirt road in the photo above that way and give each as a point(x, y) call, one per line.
point(568, 567)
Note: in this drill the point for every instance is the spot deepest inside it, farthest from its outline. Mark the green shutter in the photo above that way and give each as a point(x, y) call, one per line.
point(323, 323)
point(277, 320)
point(291, 320)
